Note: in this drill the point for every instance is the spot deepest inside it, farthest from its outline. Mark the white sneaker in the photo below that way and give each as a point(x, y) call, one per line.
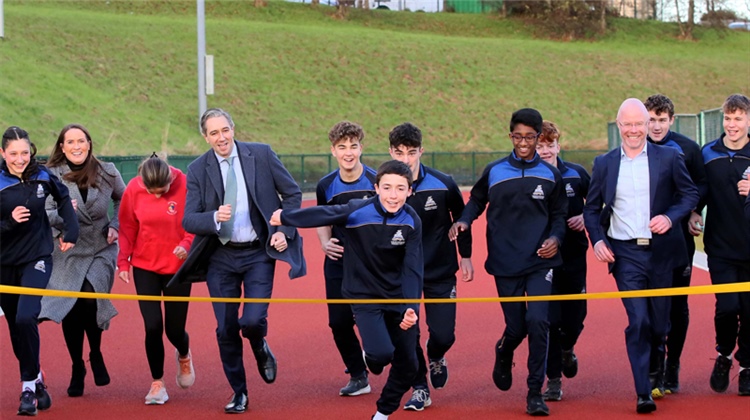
point(185, 371)
point(158, 393)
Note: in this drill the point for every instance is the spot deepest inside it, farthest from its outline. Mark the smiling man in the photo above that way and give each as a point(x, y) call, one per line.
point(525, 228)
point(638, 196)
point(382, 260)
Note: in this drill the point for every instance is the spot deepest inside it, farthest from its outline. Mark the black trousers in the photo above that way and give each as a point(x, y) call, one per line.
point(566, 317)
point(386, 343)
point(732, 317)
point(441, 326)
point(341, 320)
point(22, 311)
point(148, 283)
point(527, 319)
point(80, 321)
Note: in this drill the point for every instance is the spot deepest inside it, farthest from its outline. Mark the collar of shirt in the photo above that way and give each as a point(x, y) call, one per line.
point(233, 154)
point(642, 152)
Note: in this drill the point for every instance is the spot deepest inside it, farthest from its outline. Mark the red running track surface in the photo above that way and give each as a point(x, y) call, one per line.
point(311, 371)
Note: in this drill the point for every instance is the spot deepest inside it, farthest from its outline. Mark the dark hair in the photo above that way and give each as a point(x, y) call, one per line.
point(549, 130)
point(14, 133)
point(659, 104)
point(88, 175)
point(155, 172)
point(346, 130)
point(406, 134)
point(736, 102)
point(213, 113)
point(394, 167)
point(527, 116)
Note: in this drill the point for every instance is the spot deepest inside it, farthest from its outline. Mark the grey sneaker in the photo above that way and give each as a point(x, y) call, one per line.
point(420, 399)
point(554, 390)
point(356, 386)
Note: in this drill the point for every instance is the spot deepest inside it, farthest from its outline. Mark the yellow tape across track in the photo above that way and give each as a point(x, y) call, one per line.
point(672, 291)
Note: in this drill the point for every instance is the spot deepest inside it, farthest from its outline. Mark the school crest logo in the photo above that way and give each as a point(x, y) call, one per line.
point(39, 266)
point(538, 193)
point(430, 204)
point(746, 174)
point(453, 292)
point(569, 190)
point(172, 208)
point(549, 276)
point(398, 238)
point(39, 191)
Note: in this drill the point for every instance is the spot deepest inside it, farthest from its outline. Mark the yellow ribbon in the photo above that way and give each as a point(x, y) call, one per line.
point(670, 291)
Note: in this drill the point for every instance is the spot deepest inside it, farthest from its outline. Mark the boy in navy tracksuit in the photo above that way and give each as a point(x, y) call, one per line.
point(351, 180)
point(566, 317)
point(727, 239)
point(525, 228)
point(438, 201)
point(382, 260)
point(26, 246)
point(665, 376)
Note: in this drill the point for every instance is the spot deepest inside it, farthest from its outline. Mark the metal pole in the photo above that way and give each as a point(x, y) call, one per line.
point(2, 20)
point(201, 57)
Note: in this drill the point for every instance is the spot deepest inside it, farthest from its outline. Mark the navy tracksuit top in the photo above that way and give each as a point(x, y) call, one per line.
point(383, 252)
point(438, 201)
point(527, 205)
point(726, 235)
point(25, 242)
point(576, 181)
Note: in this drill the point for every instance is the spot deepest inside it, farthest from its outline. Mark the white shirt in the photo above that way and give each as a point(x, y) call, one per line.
point(631, 211)
point(242, 230)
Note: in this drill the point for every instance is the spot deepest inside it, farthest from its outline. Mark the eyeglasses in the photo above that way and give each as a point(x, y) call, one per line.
point(639, 124)
point(518, 137)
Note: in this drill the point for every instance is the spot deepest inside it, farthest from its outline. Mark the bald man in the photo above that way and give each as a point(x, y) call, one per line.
point(638, 196)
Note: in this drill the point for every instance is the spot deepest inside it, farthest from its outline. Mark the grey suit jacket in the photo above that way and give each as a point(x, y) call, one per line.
point(92, 258)
point(269, 185)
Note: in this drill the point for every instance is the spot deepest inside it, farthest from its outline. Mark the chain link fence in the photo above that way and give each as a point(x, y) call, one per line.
point(307, 169)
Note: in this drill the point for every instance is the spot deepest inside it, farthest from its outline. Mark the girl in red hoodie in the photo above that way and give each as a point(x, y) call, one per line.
point(154, 244)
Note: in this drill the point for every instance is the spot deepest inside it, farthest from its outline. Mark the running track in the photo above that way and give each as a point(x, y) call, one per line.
point(311, 371)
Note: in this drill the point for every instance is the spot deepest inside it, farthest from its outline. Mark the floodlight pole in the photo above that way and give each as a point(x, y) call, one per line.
point(201, 57)
point(2, 20)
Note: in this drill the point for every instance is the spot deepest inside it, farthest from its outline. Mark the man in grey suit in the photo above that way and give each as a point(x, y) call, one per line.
point(232, 191)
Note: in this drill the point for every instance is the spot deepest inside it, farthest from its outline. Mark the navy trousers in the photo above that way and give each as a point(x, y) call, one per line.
point(22, 311)
point(566, 317)
point(341, 320)
point(239, 273)
point(527, 318)
point(441, 325)
point(732, 317)
point(648, 318)
point(385, 342)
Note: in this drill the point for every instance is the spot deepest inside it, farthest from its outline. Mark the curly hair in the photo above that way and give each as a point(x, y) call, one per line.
point(659, 104)
point(406, 134)
point(346, 130)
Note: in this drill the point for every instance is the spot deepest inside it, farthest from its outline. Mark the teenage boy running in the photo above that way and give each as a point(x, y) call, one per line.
point(566, 317)
point(382, 260)
point(525, 228)
point(438, 201)
point(351, 180)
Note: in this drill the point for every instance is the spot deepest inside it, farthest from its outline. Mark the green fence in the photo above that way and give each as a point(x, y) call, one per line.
point(703, 127)
point(307, 169)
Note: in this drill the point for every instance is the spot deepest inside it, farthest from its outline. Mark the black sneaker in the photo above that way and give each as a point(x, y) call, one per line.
point(554, 390)
point(744, 382)
point(438, 373)
point(356, 386)
point(43, 400)
point(720, 375)
point(672, 378)
point(374, 368)
point(535, 405)
point(502, 373)
point(28, 403)
point(569, 363)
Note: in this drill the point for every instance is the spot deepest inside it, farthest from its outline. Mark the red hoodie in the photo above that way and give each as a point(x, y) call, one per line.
point(151, 228)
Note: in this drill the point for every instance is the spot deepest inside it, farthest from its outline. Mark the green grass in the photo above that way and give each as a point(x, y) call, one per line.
point(288, 72)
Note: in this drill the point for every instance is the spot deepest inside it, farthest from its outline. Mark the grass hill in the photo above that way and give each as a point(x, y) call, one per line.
point(288, 72)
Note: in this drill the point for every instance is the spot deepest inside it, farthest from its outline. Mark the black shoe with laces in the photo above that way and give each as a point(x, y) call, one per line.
point(357, 386)
point(438, 373)
point(554, 390)
point(502, 373)
point(28, 403)
point(672, 377)
point(744, 382)
point(569, 363)
point(43, 400)
point(720, 375)
point(535, 405)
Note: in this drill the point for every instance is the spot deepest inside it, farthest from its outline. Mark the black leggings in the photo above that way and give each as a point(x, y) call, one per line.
point(82, 319)
point(148, 283)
